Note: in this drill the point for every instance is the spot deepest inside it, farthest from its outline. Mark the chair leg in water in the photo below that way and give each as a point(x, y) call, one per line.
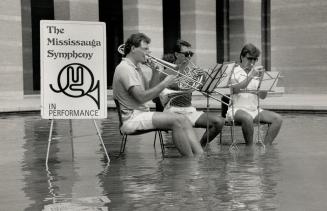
point(162, 145)
point(123, 144)
point(155, 139)
point(233, 147)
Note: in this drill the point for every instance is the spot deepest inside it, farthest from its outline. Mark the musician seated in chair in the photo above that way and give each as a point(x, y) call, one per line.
point(180, 102)
point(246, 77)
point(132, 89)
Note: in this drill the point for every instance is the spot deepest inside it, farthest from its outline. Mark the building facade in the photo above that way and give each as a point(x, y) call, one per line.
point(290, 33)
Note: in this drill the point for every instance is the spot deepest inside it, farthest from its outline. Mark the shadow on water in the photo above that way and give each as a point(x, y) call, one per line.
point(78, 177)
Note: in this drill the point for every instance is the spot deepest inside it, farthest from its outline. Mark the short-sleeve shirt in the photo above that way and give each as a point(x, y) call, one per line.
point(245, 101)
point(126, 76)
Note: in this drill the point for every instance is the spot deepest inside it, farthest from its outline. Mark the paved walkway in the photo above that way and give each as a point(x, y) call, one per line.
point(277, 102)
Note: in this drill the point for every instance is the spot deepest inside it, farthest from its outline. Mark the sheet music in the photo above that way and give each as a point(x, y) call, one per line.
point(269, 81)
point(227, 71)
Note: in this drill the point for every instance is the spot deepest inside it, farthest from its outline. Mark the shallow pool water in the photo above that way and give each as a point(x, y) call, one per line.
point(290, 175)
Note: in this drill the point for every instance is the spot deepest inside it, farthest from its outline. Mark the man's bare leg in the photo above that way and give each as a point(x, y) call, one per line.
point(184, 135)
point(276, 122)
point(215, 126)
point(246, 122)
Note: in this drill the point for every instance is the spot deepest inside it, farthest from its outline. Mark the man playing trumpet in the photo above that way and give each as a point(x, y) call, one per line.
point(181, 102)
point(132, 89)
point(245, 104)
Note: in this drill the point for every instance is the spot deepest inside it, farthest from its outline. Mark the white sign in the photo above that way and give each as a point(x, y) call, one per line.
point(73, 70)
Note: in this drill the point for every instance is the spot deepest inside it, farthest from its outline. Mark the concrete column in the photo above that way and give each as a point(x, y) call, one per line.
point(198, 26)
point(27, 46)
point(77, 10)
point(299, 44)
point(145, 16)
point(244, 25)
point(11, 67)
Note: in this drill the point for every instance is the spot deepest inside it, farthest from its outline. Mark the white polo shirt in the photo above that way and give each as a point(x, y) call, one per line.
point(247, 102)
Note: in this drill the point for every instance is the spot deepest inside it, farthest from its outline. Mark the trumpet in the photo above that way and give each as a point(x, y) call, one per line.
point(189, 79)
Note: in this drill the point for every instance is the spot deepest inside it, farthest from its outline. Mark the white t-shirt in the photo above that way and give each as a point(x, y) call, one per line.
point(245, 101)
point(126, 76)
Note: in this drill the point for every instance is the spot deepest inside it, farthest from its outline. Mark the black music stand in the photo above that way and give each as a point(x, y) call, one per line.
point(212, 79)
point(219, 77)
point(225, 83)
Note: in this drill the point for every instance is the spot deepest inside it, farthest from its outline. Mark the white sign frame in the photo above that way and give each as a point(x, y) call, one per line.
point(73, 69)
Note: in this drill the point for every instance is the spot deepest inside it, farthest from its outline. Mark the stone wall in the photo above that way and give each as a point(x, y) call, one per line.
point(11, 67)
point(299, 44)
point(198, 26)
point(145, 16)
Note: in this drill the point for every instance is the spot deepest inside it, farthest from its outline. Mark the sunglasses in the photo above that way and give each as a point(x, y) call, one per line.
point(252, 59)
point(187, 53)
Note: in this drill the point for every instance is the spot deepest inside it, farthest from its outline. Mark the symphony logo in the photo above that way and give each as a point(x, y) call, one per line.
point(76, 80)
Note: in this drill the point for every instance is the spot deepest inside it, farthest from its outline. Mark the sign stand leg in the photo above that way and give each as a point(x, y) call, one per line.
point(49, 143)
point(71, 138)
point(50, 139)
point(103, 146)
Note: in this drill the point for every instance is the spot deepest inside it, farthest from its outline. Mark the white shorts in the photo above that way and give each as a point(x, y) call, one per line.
point(139, 120)
point(253, 113)
point(190, 112)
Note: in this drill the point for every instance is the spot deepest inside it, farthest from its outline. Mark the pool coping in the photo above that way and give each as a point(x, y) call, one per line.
point(283, 102)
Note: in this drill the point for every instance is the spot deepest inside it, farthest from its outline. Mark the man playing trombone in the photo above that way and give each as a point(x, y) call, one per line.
point(132, 89)
point(245, 104)
point(180, 102)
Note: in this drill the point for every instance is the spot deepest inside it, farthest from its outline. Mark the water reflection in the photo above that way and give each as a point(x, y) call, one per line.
point(142, 180)
point(248, 179)
point(70, 175)
point(216, 182)
point(43, 187)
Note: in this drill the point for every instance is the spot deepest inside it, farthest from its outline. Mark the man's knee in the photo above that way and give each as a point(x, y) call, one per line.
point(243, 118)
point(218, 123)
point(278, 119)
point(245, 121)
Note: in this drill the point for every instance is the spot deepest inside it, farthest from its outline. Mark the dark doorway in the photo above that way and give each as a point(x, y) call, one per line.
point(40, 10)
point(171, 23)
point(222, 17)
point(265, 26)
point(111, 12)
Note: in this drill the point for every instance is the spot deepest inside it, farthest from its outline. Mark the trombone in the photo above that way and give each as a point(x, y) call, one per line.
point(187, 81)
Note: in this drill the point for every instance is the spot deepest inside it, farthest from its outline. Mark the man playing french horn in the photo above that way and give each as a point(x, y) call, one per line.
point(179, 101)
point(132, 89)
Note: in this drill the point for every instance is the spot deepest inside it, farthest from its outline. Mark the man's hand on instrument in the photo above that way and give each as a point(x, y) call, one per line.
point(257, 71)
point(152, 65)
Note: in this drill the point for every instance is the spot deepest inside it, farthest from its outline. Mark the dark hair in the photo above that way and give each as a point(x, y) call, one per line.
point(251, 50)
point(169, 57)
point(135, 40)
point(179, 44)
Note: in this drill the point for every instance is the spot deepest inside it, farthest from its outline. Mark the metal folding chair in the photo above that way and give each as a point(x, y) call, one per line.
point(224, 109)
point(139, 132)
